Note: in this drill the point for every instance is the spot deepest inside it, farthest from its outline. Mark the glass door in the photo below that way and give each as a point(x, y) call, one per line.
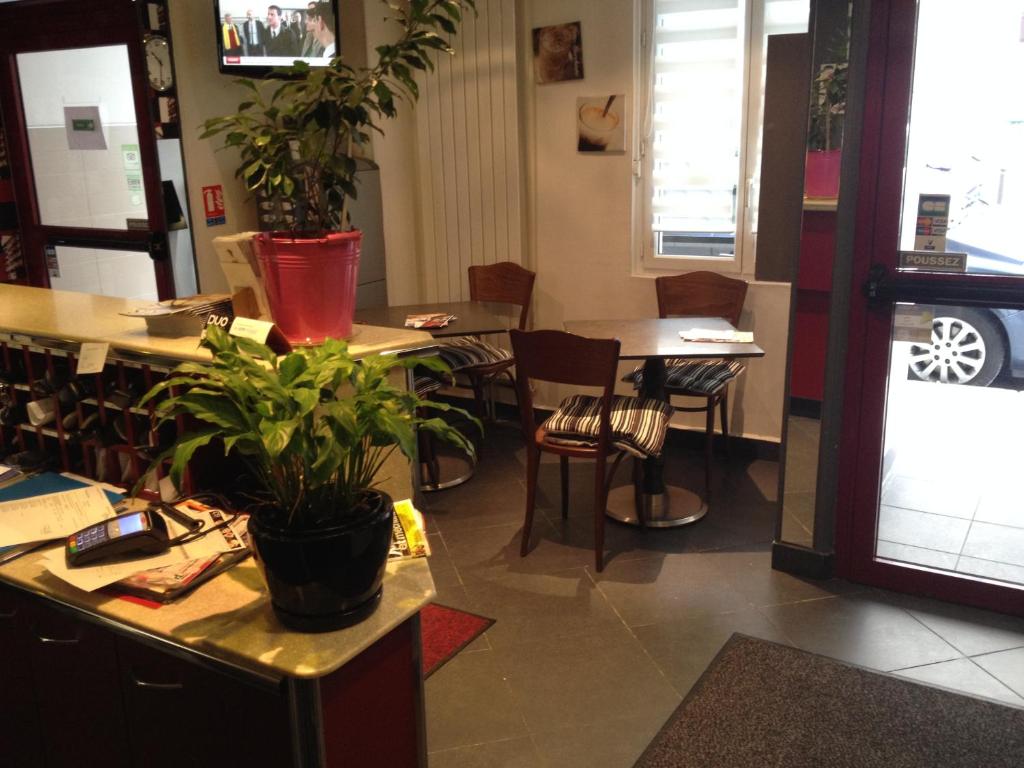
point(86, 172)
point(937, 345)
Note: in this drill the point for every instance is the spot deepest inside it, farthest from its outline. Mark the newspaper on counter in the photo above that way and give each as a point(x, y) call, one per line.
point(408, 533)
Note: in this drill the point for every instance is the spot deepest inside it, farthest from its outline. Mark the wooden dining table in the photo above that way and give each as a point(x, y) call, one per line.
point(472, 318)
point(651, 500)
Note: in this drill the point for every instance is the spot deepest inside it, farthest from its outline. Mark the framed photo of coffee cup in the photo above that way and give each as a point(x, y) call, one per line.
point(558, 53)
point(601, 124)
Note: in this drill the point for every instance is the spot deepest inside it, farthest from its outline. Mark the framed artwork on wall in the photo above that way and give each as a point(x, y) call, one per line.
point(558, 53)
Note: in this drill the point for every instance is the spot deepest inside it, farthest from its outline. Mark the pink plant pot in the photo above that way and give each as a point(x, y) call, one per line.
point(821, 173)
point(311, 283)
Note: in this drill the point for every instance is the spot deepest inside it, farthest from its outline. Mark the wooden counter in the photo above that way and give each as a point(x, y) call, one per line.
point(65, 316)
point(92, 679)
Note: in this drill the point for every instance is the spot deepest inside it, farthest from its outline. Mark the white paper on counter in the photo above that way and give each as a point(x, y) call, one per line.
point(712, 335)
point(92, 577)
point(52, 515)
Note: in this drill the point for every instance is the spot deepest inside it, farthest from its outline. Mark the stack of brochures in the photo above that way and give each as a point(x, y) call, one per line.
point(429, 320)
point(165, 583)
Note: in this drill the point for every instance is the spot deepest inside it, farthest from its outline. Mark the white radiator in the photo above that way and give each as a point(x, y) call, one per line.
point(469, 154)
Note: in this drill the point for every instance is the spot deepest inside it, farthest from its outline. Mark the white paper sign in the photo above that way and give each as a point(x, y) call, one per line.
point(247, 328)
point(92, 357)
point(84, 128)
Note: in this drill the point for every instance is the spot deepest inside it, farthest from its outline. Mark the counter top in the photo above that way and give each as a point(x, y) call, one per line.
point(230, 619)
point(77, 317)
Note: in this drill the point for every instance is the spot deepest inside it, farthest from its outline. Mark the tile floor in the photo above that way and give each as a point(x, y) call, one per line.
point(582, 669)
point(950, 498)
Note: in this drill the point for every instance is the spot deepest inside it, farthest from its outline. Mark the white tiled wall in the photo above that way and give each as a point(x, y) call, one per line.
point(85, 188)
point(126, 274)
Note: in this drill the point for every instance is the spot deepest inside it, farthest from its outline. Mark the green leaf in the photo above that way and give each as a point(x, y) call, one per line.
point(184, 450)
point(276, 435)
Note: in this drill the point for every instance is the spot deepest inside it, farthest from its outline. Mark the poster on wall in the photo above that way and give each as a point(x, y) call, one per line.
point(600, 124)
point(558, 53)
point(84, 128)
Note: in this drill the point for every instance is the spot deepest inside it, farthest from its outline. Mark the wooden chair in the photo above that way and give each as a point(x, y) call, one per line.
point(564, 358)
point(482, 363)
point(702, 294)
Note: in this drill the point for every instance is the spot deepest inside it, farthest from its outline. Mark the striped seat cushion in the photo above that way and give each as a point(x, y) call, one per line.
point(424, 385)
point(638, 424)
point(701, 376)
point(467, 351)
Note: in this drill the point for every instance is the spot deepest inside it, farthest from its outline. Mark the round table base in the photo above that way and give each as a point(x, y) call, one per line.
point(677, 506)
point(453, 468)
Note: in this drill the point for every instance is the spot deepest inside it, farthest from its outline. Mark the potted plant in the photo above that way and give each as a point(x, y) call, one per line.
point(825, 130)
point(314, 429)
point(299, 135)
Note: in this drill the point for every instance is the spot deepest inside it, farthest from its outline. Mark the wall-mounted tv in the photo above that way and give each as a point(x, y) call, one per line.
point(252, 39)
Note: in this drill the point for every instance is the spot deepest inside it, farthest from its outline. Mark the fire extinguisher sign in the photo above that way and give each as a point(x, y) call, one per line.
point(213, 203)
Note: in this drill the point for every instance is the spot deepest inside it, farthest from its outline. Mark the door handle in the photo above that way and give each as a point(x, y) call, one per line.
point(873, 288)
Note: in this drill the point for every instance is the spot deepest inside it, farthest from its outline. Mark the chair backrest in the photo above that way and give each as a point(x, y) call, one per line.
point(701, 294)
point(563, 358)
point(505, 281)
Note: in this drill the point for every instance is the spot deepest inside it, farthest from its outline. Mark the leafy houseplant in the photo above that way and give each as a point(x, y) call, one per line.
point(299, 136)
point(828, 107)
point(314, 429)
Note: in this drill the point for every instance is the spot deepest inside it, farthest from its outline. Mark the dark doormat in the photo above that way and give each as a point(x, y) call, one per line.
point(761, 704)
point(446, 631)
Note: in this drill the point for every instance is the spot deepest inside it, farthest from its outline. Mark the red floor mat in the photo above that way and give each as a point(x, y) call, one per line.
point(446, 631)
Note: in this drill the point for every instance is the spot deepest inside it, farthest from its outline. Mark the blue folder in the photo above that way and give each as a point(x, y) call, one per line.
point(48, 482)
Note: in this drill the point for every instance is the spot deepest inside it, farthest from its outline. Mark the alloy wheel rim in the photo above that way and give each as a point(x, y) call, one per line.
point(956, 353)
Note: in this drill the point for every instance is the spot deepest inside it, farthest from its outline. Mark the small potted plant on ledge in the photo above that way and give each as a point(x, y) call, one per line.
point(825, 130)
point(299, 136)
point(314, 429)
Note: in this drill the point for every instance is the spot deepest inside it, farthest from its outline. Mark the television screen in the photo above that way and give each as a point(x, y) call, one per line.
point(253, 39)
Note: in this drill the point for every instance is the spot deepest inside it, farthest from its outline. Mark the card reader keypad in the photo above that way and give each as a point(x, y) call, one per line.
point(89, 538)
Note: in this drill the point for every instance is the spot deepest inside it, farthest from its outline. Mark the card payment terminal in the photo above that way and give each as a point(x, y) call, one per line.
point(134, 533)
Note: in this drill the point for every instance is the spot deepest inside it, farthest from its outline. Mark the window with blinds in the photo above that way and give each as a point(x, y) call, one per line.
point(703, 75)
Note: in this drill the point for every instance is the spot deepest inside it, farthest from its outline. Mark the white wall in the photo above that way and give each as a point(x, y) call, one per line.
point(580, 212)
point(203, 93)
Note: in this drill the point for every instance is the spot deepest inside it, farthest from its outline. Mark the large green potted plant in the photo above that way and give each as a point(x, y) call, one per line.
point(299, 136)
point(314, 429)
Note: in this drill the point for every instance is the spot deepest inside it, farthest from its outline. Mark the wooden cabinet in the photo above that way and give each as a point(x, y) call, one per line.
point(20, 735)
point(180, 714)
point(75, 694)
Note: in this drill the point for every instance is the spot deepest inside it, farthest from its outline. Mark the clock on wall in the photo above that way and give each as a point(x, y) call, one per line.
point(159, 70)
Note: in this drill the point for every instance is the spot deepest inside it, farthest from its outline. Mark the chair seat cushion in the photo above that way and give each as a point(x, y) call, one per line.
point(425, 385)
point(638, 424)
point(701, 376)
point(465, 352)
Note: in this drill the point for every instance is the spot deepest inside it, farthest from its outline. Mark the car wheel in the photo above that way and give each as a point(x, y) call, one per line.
point(967, 348)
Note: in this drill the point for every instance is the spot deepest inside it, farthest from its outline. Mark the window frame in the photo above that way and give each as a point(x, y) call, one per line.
point(646, 261)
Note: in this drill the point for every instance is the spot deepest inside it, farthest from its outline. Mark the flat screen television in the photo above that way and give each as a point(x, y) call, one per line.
point(252, 39)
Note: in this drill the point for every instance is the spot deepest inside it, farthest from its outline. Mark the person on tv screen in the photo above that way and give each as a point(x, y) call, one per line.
point(280, 41)
point(254, 35)
point(298, 28)
point(324, 29)
point(230, 37)
point(311, 48)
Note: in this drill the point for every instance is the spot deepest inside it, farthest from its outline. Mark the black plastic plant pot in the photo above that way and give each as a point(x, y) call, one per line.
point(327, 578)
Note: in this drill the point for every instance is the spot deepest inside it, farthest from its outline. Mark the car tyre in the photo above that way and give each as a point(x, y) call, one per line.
point(967, 347)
